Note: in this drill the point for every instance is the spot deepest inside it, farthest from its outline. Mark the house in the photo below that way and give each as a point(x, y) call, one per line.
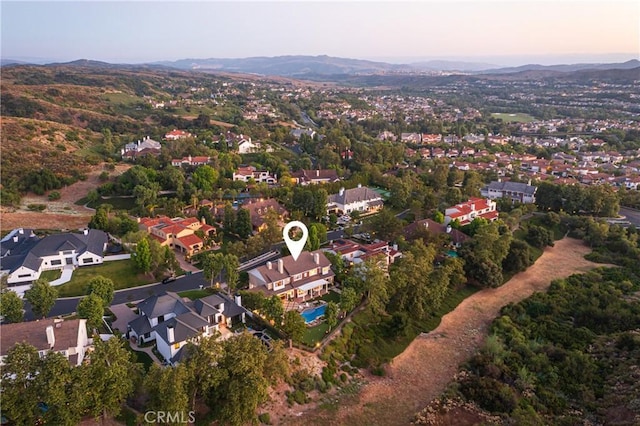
point(297, 133)
point(469, 210)
point(306, 177)
point(414, 230)
point(141, 148)
point(411, 137)
point(360, 199)
point(516, 191)
point(387, 136)
point(190, 161)
point(68, 337)
point(258, 212)
point(24, 256)
point(305, 278)
point(175, 134)
point(172, 321)
point(246, 173)
point(178, 232)
point(354, 253)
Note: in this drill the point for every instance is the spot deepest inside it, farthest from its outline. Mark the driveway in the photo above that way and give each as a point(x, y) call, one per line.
point(65, 277)
point(123, 314)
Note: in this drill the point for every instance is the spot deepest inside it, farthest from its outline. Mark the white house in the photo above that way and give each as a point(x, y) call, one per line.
point(66, 337)
point(361, 199)
point(24, 256)
point(516, 191)
point(469, 210)
point(245, 174)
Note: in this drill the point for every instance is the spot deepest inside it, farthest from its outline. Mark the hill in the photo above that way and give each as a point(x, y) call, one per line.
point(634, 63)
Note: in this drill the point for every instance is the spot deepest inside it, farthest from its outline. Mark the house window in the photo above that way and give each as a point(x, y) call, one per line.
point(88, 260)
point(56, 262)
point(67, 252)
point(146, 335)
point(176, 346)
point(24, 275)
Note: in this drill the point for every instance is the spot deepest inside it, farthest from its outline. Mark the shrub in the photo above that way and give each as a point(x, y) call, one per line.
point(265, 418)
point(54, 195)
point(36, 207)
point(343, 377)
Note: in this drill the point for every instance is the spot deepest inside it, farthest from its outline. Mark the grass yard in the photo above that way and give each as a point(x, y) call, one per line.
point(197, 294)
point(51, 275)
point(122, 272)
point(315, 334)
point(513, 117)
point(332, 296)
point(122, 98)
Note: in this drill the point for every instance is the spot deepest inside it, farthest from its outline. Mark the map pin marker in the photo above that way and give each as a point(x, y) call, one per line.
point(295, 247)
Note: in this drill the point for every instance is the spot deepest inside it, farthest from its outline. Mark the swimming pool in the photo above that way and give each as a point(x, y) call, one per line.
point(311, 315)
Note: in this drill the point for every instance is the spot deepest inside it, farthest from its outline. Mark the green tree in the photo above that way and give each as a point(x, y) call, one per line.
point(91, 307)
point(42, 297)
point(376, 284)
point(198, 360)
point(170, 262)
point(348, 299)
point(518, 258)
point(243, 223)
point(62, 388)
point(19, 396)
point(294, 326)
point(313, 240)
point(212, 266)
point(100, 220)
point(11, 307)
point(331, 315)
point(229, 220)
point(231, 265)
point(274, 310)
point(236, 399)
point(205, 178)
point(167, 390)
point(142, 256)
point(112, 374)
point(103, 288)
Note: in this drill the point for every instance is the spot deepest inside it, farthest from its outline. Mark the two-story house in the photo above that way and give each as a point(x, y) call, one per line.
point(354, 253)
point(258, 212)
point(248, 173)
point(305, 278)
point(469, 210)
point(177, 232)
point(190, 161)
point(24, 256)
point(172, 322)
point(516, 191)
point(361, 199)
point(307, 177)
point(52, 334)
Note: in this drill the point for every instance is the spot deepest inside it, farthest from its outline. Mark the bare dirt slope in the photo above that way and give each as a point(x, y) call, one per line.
point(422, 372)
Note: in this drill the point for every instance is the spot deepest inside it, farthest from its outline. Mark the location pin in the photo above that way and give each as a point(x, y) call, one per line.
point(295, 247)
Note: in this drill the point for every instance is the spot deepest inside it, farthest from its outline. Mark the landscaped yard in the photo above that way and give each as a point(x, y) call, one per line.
point(315, 334)
point(332, 296)
point(51, 275)
point(122, 272)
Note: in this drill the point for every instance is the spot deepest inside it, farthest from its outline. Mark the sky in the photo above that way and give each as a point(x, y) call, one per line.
point(504, 32)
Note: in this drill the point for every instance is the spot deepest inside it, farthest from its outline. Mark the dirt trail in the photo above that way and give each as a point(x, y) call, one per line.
point(423, 371)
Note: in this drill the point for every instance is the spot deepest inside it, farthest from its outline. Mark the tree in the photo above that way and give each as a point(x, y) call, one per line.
point(273, 309)
point(91, 308)
point(11, 307)
point(167, 389)
point(386, 225)
point(539, 237)
point(231, 265)
point(19, 396)
point(313, 240)
point(236, 399)
point(331, 315)
point(518, 258)
point(376, 282)
point(170, 262)
point(229, 220)
point(212, 266)
point(103, 288)
point(243, 223)
point(100, 220)
point(204, 178)
point(294, 326)
point(112, 374)
point(142, 256)
point(199, 360)
point(348, 299)
point(42, 297)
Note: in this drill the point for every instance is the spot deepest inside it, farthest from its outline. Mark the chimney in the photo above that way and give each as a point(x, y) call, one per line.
point(15, 238)
point(529, 183)
point(203, 220)
point(238, 299)
point(395, 247)
point(473, 206)
point(21, 230)
point(448, 229)
point(359, 185)
point(317, 173)
point(269, 265)
point(281, 266)
point(85, 231)
point(51, 338)
point(170, 334)
point(316, 258)
point(341, 193)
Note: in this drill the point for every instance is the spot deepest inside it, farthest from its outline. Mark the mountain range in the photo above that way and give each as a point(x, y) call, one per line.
point(301, 65)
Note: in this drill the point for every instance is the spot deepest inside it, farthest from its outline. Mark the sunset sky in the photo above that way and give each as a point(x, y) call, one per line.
point(502, 32)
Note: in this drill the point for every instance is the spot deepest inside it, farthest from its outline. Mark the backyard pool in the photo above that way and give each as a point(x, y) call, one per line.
point(313, 314)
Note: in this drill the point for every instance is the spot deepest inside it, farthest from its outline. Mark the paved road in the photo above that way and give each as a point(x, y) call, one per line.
point(632, 215)
point(69, 305)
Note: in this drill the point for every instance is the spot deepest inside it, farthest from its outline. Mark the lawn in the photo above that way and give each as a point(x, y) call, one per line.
point(197, 294)
point(332, 296)
point(122, 98)
point(51, 275)
point(315, 334)
point(122, 272)
point(513, 117)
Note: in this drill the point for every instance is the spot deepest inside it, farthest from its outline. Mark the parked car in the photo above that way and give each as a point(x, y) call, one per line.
point(168, 279)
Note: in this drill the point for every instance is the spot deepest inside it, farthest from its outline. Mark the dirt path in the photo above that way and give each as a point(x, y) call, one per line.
point(422, 372)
